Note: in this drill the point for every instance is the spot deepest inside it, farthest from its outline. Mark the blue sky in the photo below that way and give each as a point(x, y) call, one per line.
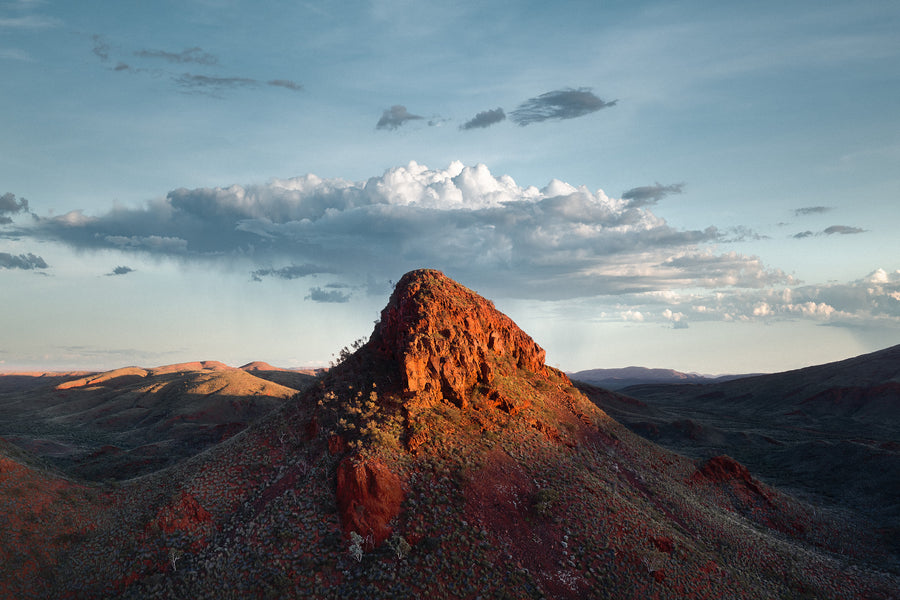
point(704, 186)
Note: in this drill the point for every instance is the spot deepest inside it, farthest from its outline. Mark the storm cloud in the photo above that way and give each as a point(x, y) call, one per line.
point(559, 241)
point(121, 270)
point(395, 116)
point(651, 194)
point(484, 119)
point(559, 104)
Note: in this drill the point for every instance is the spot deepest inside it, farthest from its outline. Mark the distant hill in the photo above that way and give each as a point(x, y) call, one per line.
point(131, 421)
point(442, 459)
point(617, 379)
point(830, 430)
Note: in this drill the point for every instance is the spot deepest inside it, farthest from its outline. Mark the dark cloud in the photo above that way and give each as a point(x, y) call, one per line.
point(286, 83)
point(484, 119)
point(122, 67)
point(189, 55)
point(803, 234)
point(811, 210)
point(651, 194)
point(842, 229)
point(121, 270)
point(290, 272)
point(557, 242)
point(10, 206)
point(317, 294)
point(27, 262)
point(395, 116)
point(558, 104)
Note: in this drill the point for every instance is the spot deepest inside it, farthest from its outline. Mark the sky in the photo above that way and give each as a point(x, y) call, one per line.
point(705, 186)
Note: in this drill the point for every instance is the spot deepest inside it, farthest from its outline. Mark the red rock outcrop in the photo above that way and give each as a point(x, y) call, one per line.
point(447, 339)
point(369, 497)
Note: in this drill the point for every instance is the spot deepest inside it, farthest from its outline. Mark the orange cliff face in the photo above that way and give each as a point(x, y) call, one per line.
point(449, 341)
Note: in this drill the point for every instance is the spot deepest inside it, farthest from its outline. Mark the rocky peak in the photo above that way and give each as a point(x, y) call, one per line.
point(448, 340)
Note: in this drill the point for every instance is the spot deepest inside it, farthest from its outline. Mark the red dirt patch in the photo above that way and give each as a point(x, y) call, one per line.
point(369, 497)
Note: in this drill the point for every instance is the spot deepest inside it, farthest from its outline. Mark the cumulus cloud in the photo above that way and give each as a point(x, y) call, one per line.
point(9, 205)
point(559, 104)
point(811, 210)
point(559, 241)
point(189, 55)
point(27, 262)
point(484, 119)
point(651, 194)
point(874, 298)
point(121, 270)
point(395, 116)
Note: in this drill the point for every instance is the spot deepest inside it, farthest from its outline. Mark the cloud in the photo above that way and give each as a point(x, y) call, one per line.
point(26, 262)
point(206, 84)
point(101, 47)
point(317, 294)
point(651, 194)
point(121, 270)
point(560, 241)
point(29, 22)
point(195, 83)
point(811, 210)
point(189, 55)
point(10, 206)
point(559, 104)
point(395, 116)
point(290, 272)
point(842, 229)
point(286, 83)
point(484, 119)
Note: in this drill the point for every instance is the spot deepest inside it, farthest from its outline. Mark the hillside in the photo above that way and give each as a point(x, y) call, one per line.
point(829, 432)
point(132, 421)
point(442, 459)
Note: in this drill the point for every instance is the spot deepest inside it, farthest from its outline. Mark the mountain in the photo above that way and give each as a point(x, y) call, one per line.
point(132, 421)
point(829, 431)
point(441, 459)
point(617, 379)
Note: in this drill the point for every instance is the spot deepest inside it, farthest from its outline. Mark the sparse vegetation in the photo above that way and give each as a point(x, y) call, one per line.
point(541, 497)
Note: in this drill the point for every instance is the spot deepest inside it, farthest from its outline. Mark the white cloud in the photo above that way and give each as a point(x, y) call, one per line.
point(504, 239)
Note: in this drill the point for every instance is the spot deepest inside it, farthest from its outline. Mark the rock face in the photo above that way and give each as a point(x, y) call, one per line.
point(449, 340)
point(369, 497)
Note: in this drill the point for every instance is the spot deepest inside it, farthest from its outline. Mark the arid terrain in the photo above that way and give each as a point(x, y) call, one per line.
point(443, 459)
